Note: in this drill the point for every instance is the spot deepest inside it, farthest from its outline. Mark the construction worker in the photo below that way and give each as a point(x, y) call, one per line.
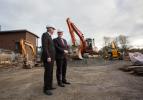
point(48, 57)
point(61, 48)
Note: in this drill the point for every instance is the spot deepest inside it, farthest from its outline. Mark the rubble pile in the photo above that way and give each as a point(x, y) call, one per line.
point(9, 58)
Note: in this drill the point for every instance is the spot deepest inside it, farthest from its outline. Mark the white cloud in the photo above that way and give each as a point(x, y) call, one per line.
point(95, 18)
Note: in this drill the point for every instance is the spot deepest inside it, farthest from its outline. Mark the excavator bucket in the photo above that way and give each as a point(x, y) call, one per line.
point(76, 53)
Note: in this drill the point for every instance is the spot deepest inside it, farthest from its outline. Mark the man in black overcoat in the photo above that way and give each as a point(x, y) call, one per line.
point(48, 58)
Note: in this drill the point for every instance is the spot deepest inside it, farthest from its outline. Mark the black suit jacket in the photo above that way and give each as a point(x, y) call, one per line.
point(48, 49)
point(59, 47)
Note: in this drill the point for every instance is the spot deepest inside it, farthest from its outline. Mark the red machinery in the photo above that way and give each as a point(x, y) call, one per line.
point(73, 29)
point(85, 44)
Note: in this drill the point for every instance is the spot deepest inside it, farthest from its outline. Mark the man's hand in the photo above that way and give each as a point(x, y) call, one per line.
point(66, 51)
point(49, 60)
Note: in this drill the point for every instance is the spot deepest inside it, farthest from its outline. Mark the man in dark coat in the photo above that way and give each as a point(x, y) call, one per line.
point(48, 57)
point(61, 59)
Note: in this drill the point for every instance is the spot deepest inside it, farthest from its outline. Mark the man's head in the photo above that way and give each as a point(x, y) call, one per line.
point(60, 33)
point(50, 29)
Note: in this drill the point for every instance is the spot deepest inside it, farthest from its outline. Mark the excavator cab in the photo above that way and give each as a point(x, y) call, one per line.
point(89, 44)
point(115, 53)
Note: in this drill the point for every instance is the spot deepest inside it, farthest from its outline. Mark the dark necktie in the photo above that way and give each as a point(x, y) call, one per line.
point(62, 42)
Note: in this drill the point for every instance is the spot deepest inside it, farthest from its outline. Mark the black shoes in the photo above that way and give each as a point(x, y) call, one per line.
point(48, 92)
point(65, 82)
point(61, 85)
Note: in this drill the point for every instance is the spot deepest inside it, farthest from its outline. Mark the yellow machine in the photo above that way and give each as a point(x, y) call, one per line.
point(114, 52)
point(27, 62)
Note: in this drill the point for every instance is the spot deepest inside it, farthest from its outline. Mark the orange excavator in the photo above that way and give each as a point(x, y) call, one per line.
point(85, 45)
point(27, 62)
point(78, 50)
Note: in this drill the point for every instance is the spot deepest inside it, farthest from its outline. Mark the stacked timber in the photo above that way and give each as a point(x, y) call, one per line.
point(136, 70)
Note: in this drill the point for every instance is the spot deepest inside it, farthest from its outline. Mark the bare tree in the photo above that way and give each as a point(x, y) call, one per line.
point(107, 40)
point(123, 41)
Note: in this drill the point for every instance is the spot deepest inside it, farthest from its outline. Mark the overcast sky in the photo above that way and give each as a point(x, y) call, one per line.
point(95, 18)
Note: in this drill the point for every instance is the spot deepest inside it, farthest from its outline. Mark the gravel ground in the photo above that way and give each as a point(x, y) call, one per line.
point(96, 81)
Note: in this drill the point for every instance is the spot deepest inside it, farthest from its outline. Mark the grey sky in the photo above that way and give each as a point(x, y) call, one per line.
point(95, 18)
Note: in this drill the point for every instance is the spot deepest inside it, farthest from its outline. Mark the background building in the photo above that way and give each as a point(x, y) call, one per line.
point(10, 40)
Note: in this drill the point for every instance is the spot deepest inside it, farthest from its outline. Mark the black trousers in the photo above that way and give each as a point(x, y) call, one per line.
point(61, 69)
point(48, 75)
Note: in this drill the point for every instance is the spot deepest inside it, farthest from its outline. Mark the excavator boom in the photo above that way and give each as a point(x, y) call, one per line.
point(73, 29)
point(23, 44)
point(85, 45)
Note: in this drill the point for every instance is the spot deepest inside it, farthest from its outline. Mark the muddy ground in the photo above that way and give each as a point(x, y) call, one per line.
point(98, 81)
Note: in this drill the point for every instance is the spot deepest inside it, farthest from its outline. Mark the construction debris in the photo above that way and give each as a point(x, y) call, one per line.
point(136, 58)
point(9, 58)
point(6, 56)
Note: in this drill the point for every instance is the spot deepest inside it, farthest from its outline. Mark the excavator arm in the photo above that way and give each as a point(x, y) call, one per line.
point(23, 44)
point(72, 30)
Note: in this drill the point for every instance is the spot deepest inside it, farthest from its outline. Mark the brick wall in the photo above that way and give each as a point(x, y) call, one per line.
point(8, 40)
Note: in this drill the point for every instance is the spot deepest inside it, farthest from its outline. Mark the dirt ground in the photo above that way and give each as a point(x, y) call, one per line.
point(92, 82)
